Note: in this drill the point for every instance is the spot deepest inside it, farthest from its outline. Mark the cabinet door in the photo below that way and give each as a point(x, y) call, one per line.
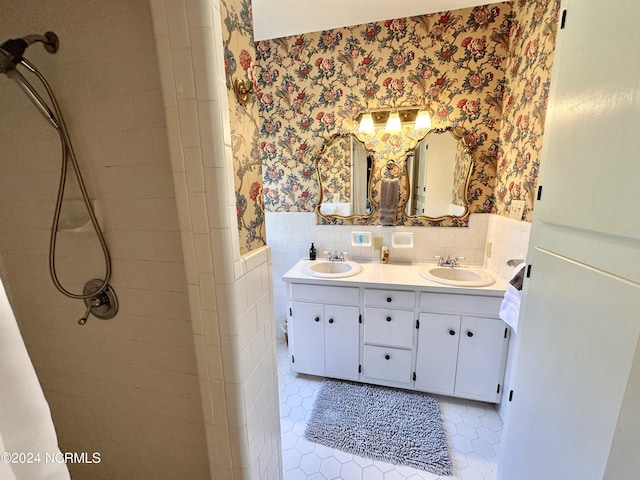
point(307, 338)
point(341, 341)
point(481, 358)
point(437, 353)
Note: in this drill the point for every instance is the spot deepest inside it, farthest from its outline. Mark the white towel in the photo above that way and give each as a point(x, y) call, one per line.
point(510, 307)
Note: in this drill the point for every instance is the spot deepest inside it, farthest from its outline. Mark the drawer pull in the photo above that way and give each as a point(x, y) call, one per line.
point(452, 332)
point(469, 334)
point(388, 319)
point(389, 299)
point(331, 320)
point(387, 357)
point(317, 319)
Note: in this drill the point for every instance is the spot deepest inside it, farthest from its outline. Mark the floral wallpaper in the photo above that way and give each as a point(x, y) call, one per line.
point(312, 86)
point(245, 124)
point(524, 101)
point(485, 69)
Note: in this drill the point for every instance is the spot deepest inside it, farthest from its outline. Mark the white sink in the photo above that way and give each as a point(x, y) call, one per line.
point(335, 269)
point(457, 276)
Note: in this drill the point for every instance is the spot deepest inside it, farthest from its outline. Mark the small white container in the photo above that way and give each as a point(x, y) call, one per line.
point(402, 240)
point(361, 239)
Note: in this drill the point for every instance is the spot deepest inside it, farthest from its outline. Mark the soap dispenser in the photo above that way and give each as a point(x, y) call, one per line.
point(312, 252)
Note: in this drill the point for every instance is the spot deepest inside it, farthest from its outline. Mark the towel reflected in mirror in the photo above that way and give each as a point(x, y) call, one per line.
point(389, 197)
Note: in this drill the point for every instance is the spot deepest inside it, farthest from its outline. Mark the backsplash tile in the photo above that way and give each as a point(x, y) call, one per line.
point(509, 239)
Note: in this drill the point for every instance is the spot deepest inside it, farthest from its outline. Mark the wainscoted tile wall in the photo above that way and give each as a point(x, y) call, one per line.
point(509, 239)
point(229, 295)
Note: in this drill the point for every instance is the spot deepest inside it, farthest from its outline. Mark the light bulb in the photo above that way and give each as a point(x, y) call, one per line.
point(393, 123)
point(366, 124)
point(423, 120)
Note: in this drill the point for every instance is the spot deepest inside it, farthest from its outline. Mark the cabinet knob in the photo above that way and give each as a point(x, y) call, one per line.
point(388, 319)
point(452, 332)
point(331, 320)
point(469, 334)
point(387, 356)
point(317, 319)
point(388, 299)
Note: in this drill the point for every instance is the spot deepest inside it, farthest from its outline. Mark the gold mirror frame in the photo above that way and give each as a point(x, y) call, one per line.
point(372, 218)
point(458, 134)
point(355, 217)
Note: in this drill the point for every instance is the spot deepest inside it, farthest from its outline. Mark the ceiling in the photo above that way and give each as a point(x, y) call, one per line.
point(281, 18)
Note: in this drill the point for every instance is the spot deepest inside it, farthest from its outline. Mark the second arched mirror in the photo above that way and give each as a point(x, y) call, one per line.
point(438, 172)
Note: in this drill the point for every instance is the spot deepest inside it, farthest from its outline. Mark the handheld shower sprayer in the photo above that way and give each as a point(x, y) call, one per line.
point(98, 296)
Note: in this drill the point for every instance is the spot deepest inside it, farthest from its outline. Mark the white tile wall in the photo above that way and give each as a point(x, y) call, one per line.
point(230, 296)
point(509, 239)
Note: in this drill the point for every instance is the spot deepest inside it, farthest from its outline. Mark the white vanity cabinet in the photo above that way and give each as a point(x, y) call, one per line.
point(324, 337)
point(388, 337)
point(389, 328)
point(461, 355)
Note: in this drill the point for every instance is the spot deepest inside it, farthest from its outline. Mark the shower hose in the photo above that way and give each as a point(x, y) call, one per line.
point(68, 156)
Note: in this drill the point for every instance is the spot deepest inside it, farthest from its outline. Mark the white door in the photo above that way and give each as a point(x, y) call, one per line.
point(437, 353)
point(342, 341)
point(578, 336)
point(575, 378)
point(481, 358)
point(593, 117)
point(307, 338)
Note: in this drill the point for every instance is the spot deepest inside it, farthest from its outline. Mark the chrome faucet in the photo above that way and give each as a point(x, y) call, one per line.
point(449, 262)
point(334, 256)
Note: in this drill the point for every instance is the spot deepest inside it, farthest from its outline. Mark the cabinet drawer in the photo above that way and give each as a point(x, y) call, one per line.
point(325, 294)
point(460, 304)
point(388, 327)
point(389, 298)
point(385, 363)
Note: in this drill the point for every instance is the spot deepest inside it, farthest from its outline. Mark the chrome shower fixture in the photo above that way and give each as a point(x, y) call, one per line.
point(12, 51)
point(98, 296)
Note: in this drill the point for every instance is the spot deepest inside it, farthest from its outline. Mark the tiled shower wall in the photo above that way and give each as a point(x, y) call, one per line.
point(230, 296)
point(128, 387)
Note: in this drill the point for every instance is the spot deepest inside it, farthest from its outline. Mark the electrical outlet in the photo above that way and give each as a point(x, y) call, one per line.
point(516, 209)
point(487, 251)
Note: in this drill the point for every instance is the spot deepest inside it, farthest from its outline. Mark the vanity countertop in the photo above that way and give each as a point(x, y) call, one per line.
point(394, 276)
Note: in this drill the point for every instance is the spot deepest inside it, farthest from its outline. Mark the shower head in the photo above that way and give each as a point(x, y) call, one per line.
point(12, 51)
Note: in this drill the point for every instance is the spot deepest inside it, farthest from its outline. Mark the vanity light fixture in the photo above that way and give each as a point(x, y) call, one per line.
point(381, 117)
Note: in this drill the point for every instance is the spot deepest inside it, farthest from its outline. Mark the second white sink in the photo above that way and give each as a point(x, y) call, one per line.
point(458, 276)
point(336, 269)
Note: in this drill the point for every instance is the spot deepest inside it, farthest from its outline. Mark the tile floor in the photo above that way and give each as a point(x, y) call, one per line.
point(473, 428)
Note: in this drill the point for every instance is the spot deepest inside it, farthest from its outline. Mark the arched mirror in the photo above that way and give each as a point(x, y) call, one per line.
point(438, 173)
point(344, 168)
